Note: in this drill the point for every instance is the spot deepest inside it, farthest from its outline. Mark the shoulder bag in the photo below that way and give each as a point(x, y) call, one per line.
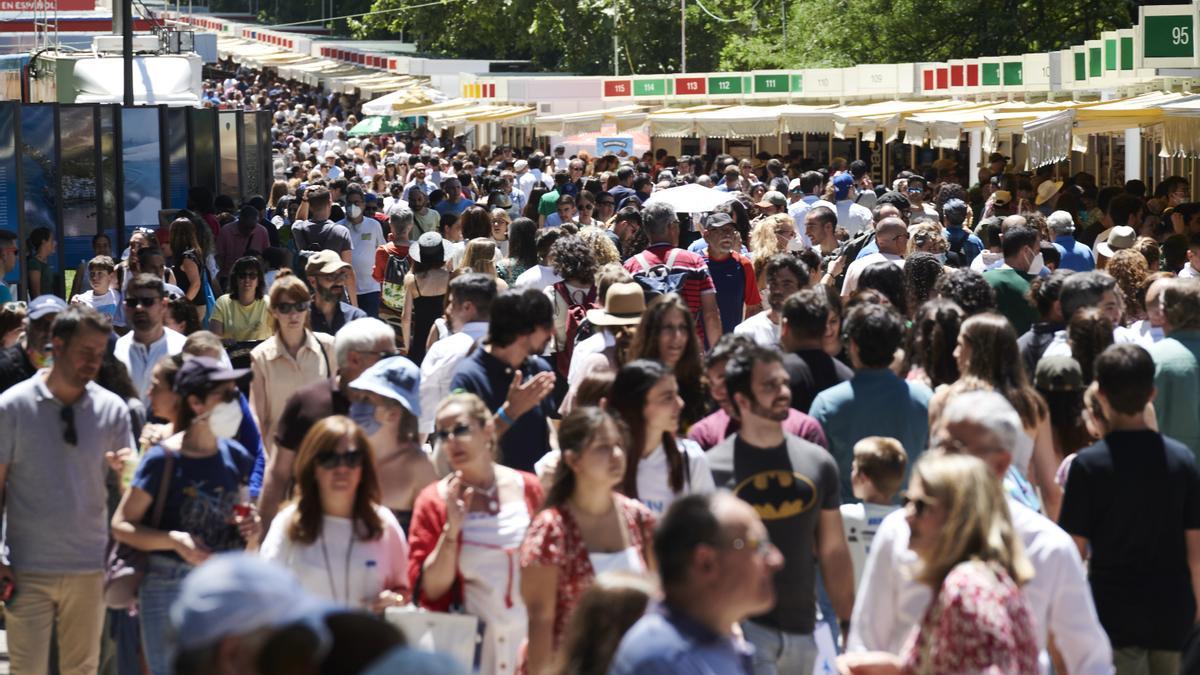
point(125, 566)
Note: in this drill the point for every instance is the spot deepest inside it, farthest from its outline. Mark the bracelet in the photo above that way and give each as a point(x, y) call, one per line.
point(504, 417)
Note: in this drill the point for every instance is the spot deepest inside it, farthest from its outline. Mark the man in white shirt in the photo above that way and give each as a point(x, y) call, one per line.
point(1089, 289)
point(891, 234)
point(890, 603)
point(418, 181)
point(470, 306)
point(366, 235)
point(785, 275)
point(852, 216)
point(803, 192)
point(149, 341)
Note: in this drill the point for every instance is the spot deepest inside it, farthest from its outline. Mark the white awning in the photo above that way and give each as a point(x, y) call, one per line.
point(156, 79)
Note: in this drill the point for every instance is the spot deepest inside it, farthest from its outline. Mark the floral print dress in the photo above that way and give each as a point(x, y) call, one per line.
point(979, 623)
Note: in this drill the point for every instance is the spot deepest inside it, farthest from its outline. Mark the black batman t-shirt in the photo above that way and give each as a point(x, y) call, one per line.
point(788, 485)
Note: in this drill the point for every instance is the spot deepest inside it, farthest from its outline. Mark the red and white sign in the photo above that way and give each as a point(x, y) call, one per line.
point(47, 5)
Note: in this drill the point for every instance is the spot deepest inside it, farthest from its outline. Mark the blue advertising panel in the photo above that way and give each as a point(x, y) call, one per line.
point(80, 173)
point(9, 201)
point(40, 187)
point(141, 162)
point(176, 148)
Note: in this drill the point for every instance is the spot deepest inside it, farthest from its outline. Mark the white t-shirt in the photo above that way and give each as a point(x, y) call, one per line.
point(653, 481)
point(538, 277)
point(860, 522)
point(760, 327)
point(365, 238)
point(374, 566)
point(854, 218)
point(1144, 333)
point(109, 304)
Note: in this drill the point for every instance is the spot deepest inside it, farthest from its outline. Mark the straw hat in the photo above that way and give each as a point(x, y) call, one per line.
point(1046, 190)
point(624, 305)
point(1120, 238)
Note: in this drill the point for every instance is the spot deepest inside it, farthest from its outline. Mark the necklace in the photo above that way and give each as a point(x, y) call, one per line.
point(345, 570)
point(491, 494)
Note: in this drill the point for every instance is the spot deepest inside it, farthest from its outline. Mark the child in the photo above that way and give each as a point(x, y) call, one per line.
point(103, 297)
point(875, 475)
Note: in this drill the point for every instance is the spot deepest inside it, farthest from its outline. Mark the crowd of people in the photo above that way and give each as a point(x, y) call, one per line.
point(950, 423)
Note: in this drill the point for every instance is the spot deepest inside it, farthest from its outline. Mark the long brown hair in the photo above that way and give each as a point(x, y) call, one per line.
point(605, 611)
point(634, 381)
point(690, 367)
point(324, 436)
point(996, 360)
point(574, 435)
point(1089, 332)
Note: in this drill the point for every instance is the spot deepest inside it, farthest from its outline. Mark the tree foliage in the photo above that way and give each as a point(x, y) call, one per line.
point(576, 35)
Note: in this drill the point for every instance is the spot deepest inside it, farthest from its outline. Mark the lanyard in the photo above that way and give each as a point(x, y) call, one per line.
point(345, 570)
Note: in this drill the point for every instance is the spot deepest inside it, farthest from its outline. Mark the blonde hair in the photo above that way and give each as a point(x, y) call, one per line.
point(480, 256)
point(602, 247)
point(927, 233)
point(978, 525)
point(764, 243)
point(882, 461)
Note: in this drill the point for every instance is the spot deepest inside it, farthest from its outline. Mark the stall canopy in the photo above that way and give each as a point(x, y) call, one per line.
point(1053, 136)
point(414, 95)
point(1181, 128)
point(624, 117)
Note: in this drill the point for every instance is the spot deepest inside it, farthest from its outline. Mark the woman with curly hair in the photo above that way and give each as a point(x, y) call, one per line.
point(927, 238)
point(921, 274)
point(1151, 251)
point(1130, 270)
point(667, 334)
point(603, 248)
point(574, 262)
point(968, 289)
point(769, 237)
point(930, 352)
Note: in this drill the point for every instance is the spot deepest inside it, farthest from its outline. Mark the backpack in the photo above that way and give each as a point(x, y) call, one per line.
point(576, 317)
point(657, 280)
point(300, 255)
point(851, 249)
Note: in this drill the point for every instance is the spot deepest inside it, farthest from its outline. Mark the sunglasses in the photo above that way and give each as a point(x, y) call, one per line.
point(606, 203)
point(70, 435)
point(458, 431)
point(248, 275)
point(134, 301)
point(330, 459)
point(292, 307)
point(920, 504)
point(15, 305)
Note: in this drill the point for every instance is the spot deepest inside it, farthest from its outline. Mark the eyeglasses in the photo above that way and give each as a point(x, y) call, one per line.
point(337, 277)
point(330, 459)
point(248, 275)
point(15, 305)
point(605, 202)
point(919, 504)
point(135, 301)
point(760, 547)
point(585, 205)
point(292, 307)
point(915, 190)
point(457, 431)
point(70, 436)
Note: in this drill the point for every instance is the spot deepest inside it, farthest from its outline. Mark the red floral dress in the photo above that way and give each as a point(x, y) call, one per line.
point(554, 539)
point(979, 623)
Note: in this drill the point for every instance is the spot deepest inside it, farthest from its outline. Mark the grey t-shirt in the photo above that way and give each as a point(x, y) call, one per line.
point(328, 235)
point(56, 501)
point(788, 485)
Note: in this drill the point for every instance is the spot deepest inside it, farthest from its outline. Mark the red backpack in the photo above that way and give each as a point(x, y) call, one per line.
point(576, 315)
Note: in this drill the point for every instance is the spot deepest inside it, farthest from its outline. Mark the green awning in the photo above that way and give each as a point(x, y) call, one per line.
point(379, 124)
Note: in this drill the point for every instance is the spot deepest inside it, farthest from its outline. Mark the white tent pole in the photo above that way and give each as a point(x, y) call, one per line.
point(1133, 153)
point(975, 160)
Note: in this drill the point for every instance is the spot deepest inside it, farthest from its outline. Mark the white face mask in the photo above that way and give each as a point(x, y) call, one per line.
point(1035, 267)
point(225, 419)
point(354, 211)
point(795, 244)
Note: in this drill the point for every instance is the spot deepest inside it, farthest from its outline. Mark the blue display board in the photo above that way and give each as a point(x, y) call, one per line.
point(141, 158)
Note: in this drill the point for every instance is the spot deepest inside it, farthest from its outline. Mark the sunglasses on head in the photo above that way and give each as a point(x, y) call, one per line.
point(292, 307)
point(331, 459)
point(135, 301)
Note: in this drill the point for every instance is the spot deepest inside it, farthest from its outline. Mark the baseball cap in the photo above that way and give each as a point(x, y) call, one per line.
point(1059, 373)
point(395, 378)
point(794, 185)
point(715, 220)
point(325, 262)
point(520, 165)
point(43, 305)
point(239, 593)
point(198, 374)
point(549, 203)
point(773, 198)
point(1001, 197)
point(841, 185)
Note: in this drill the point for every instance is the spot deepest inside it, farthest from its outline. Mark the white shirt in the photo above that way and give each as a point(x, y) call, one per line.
point(585, 348)
point(799, 211)
point(1060, 347)
point(140, 359)
point(760, 327)
point(853, 217)
point(653, 476)
point(1188, 272)
point(889, 603)
point(987, 260)
point(860, 522)
point(437, 369)
point(349, 572)
point(1145, 333)
point(855, 270)
point(365, 238)
point(538, 277)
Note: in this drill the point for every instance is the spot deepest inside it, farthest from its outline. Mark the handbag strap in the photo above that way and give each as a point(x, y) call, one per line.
point(164, 484)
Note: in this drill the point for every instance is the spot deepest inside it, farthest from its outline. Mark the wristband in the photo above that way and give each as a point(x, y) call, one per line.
point(504, 417)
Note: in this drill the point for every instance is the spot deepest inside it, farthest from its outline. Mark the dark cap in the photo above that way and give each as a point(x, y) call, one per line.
point(1058, 373)
point(998, 157)
point(199, 374)
point(718, 219)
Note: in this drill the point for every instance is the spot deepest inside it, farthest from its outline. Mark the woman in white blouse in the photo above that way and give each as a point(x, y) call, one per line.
point(336, 536)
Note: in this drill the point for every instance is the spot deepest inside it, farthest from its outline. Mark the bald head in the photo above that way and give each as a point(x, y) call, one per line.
point(892, 235)
point(1013, 221)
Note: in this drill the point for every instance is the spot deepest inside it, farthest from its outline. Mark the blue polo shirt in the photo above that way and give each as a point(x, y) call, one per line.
point(667, 642)
point(489, 378)
point(961, 239)
point(1075, 256)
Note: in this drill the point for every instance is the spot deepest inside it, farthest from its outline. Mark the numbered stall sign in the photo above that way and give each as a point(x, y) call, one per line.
point(618, 88)
point(1168, 36)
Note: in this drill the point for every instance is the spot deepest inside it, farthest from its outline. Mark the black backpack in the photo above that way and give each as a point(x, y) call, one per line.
point(657, 280)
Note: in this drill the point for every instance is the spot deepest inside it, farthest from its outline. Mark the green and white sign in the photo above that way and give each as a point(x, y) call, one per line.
point(1168, 36)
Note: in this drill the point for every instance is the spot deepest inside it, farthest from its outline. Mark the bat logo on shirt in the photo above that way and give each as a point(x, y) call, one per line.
point(777, 494)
